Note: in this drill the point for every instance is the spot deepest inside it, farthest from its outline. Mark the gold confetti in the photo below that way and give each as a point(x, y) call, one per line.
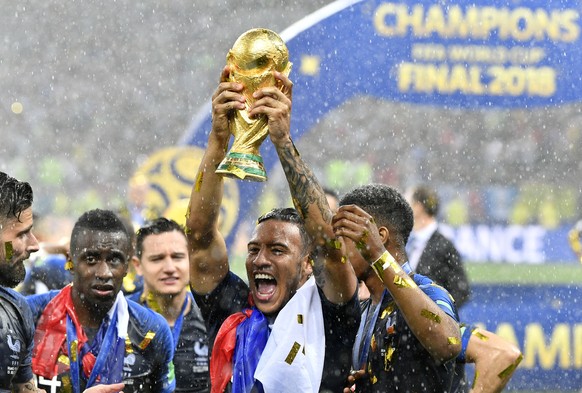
point(430, 315)
point(344, 259)
point(475, 379)
point(300, 319)
point(73, 351)
point(128, 347)
point(64, 359)
point(510, 369)
point(388, 358)
point(335, 244)
point(453, 340)
point(241, 174)
point(8, 250)
point(69, 265)
point(373, 379)
point(67, 386)
point(293, 353)
point(361, 244)
point(388, 310)
point(146, 341)
point(189, 208)
point(480, 335)
point(197, 187)
point(401, 282)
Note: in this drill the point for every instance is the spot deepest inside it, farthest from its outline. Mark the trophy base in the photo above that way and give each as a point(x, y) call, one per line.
point(243, 166)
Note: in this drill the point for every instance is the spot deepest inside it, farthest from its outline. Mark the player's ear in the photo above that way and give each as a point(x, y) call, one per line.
point(136, 264)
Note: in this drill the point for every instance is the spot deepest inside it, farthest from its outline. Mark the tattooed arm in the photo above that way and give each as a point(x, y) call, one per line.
point(335, 277)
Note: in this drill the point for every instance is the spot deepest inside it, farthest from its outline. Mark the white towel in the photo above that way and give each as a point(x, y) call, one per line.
point(293, 357)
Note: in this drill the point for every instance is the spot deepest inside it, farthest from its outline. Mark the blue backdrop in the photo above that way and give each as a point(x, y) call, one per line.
point(544, 321)
point(522, 54)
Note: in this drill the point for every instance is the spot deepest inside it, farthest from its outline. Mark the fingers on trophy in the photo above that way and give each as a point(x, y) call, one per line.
point(252, 60)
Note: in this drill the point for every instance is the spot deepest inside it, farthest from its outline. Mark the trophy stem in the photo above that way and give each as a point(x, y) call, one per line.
point(243, 166)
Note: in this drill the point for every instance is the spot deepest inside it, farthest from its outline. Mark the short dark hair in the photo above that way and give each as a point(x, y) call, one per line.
point(289, 214)
point(428, 198)
point(99, 220)
point(386, 205)
point(15, 197)
point(155, 227)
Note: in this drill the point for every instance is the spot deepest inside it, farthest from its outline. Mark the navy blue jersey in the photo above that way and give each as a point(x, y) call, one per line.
point(191, 360)
point(16, 339)
point(147, 365)
point(397, 361)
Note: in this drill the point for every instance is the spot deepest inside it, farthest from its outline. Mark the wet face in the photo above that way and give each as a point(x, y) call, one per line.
point(100, 261)
point(164, 263)
point(18, 240)
point(276, 266)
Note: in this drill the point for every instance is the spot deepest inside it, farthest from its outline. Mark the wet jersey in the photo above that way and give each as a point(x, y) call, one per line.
point(396, 360)
point(191, 354)
point(147, 365)
point(16, 339)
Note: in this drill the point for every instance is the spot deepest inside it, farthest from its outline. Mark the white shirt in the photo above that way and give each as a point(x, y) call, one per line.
point(417, 242)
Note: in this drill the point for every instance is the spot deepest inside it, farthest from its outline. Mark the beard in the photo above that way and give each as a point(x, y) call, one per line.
point(12, 274)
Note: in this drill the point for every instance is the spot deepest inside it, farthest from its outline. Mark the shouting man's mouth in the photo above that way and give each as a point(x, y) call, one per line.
point(265, 285)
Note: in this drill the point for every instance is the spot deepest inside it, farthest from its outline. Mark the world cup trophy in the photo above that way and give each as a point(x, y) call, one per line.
point(252, 59)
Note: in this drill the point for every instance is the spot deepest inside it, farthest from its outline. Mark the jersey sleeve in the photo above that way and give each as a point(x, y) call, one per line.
point(24, 372)
point(438, 294)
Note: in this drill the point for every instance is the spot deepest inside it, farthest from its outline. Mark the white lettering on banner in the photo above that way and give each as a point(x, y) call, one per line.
point(512, 244)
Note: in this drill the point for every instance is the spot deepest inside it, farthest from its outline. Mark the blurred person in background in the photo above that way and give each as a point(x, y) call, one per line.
point(88, 333)
point(47, 269)
point(430, 253)
point(162, 260)
point(575, 239)
point(332, 198)
point(137, 207)
point(433, 255)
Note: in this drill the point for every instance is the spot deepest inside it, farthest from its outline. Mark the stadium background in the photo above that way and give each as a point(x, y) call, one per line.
point(90, 90)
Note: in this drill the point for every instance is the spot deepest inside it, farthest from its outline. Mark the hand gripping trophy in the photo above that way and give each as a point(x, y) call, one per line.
point(252, 59)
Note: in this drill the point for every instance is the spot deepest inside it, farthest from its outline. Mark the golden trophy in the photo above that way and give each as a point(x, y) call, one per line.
point(252, 59)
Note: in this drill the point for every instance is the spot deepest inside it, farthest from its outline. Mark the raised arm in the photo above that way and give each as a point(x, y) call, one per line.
point(436, 330)
point(208, 254)
point(333, 275)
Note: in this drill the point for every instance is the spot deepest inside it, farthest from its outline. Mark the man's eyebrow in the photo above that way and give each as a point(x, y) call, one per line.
point(26, 230)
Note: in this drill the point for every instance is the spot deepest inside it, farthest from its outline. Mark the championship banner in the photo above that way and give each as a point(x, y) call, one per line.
point(512, 244)
point(457, 54)
point(544, 321)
